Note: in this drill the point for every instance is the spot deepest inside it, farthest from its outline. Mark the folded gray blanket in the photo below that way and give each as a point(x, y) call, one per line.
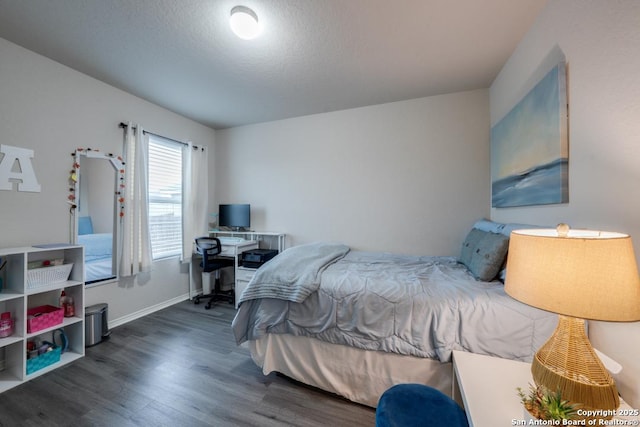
point(295, 273)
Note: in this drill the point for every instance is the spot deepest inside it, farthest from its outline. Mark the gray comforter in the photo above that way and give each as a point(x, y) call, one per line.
point(417, 306)
point(295, 274)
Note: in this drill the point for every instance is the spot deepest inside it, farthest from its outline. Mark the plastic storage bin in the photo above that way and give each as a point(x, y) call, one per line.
point(44, 276)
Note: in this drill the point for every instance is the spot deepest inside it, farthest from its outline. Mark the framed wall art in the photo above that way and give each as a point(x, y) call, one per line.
point(530, 147)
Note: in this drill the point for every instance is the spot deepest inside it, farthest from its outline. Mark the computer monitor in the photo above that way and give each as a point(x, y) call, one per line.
point(235, 216)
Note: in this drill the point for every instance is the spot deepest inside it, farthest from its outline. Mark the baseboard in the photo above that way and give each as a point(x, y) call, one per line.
point(138, 314)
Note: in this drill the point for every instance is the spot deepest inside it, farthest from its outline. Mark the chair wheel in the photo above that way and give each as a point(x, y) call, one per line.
point(208, 306)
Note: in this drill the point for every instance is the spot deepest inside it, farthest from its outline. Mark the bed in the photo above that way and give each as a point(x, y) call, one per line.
point(355, 323)
point(98, 248)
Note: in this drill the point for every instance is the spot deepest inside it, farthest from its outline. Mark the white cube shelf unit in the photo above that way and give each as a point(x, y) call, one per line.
point(19, 294)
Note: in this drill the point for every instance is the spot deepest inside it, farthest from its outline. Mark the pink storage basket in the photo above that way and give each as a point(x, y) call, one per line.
point(43, 317)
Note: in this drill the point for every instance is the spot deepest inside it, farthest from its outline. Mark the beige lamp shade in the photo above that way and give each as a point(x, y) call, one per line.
point(584, 274)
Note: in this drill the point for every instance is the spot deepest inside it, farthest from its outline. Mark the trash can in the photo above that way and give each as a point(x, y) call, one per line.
point(95, 324)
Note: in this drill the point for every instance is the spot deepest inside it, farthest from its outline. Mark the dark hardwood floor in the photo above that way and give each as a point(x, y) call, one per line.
point(176, 367)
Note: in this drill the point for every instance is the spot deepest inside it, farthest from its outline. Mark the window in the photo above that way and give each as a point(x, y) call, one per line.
point(165, 197)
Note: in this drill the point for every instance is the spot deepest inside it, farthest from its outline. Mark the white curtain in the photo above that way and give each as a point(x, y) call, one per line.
point(195, 197)
point(136, 244)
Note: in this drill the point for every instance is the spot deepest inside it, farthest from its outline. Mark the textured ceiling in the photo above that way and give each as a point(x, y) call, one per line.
point(313, 55)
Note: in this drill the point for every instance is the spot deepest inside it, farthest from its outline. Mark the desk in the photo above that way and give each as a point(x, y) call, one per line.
point(228, 250)
point(263, 239)
point(258, 236)
point(486, 387)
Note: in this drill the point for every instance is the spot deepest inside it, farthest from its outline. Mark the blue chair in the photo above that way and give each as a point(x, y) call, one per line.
point(210, 248)
point(412, 405)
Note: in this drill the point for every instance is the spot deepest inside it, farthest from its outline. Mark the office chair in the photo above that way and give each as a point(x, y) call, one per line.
point(210, 248)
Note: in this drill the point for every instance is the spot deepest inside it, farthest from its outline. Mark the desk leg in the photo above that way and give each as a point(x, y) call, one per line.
point(455, 389)
point(191, 285)
point(235, 281)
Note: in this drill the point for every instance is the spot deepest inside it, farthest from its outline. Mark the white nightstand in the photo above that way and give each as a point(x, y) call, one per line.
point(486, 387)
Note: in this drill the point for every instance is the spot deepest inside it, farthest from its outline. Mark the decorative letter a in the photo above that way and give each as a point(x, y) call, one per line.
point(26, 174)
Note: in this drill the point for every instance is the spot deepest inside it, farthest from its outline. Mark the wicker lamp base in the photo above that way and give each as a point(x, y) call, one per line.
point(567, 362)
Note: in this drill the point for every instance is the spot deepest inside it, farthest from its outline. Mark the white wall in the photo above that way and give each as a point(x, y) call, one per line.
point(405, 177)
point(601, 42)
point(52, 110)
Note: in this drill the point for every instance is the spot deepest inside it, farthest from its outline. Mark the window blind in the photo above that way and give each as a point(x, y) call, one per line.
point(165, 197)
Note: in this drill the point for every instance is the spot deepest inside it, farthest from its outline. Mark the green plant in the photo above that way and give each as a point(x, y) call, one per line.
point(544, 404)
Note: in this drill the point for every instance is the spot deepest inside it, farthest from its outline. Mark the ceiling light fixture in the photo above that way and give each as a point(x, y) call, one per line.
point(244, 22)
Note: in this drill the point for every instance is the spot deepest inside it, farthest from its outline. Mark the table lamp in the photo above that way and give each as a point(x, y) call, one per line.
point(579, 274)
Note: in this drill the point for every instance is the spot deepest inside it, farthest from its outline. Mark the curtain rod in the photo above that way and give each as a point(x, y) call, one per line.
point(195, 147)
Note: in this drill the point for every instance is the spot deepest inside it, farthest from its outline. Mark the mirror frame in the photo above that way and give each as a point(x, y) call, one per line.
point(118, 203)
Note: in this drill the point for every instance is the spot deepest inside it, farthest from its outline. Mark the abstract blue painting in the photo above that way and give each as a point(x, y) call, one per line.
point(530, 148)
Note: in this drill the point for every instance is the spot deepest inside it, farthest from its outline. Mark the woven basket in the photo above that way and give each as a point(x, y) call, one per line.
point(43, 317)
point(44, 276)
point(43, 360)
